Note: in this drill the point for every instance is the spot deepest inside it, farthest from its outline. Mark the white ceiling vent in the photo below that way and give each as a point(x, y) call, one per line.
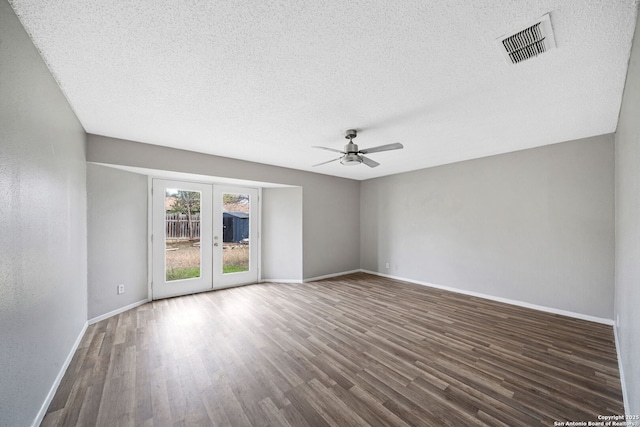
point(529, 42)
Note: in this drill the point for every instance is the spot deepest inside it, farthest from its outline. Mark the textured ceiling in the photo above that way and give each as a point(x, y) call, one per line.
point(266, 80)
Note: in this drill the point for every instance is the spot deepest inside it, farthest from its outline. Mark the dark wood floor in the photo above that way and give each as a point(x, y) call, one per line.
point(350, 351)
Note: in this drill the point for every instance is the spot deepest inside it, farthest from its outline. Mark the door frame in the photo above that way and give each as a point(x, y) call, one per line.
point(258, 237)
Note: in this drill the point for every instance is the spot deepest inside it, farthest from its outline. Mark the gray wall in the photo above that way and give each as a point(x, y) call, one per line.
point(330, 205)
point(43, 254)
point(331, 225)
point(627, 292)
point(282, 233)
point(117, 238)
point(535, 226)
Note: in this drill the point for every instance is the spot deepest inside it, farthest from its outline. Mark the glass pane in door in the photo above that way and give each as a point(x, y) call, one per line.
point(182, 234)
point(236, 211)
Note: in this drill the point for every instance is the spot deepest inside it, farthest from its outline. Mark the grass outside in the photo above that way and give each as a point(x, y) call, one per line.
point(183, 260)
point(193, 272)
point(233, 269)
point(183, 273)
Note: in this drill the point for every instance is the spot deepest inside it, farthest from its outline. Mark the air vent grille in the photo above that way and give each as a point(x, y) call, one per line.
point(530, 42)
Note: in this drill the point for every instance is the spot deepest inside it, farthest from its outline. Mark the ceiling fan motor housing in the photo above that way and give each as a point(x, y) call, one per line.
point(351, 148)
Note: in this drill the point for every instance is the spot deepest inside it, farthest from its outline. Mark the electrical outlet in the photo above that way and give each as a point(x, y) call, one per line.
point(386, 266)
point(120, 289)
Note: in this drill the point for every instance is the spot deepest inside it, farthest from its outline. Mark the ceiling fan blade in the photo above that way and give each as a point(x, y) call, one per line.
point(328, 161)
point(328, 149)
point(367, 161)
point(394, 146)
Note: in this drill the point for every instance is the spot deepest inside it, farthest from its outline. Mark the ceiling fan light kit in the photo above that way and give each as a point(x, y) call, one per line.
point(351, 159)
point(353, 156)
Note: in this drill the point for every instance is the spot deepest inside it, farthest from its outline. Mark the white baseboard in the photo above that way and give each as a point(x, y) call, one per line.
point(281, 281)
point(117, 311)
point(625, 398)
point(56, 383)
point(500, 299)
point(328, 276)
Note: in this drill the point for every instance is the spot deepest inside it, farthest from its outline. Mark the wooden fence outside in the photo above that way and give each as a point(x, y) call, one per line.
point(179, 227)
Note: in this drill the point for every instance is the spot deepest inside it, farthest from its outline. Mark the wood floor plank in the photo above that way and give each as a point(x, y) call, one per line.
point(273, 415)
point(88, 412)
point(352, 350)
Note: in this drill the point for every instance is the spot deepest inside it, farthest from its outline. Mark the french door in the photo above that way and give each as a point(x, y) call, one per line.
point(235, 236)
point(204, 237)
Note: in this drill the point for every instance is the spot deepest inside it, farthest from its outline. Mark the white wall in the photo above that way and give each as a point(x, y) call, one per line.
point(282, 234)
point(330, 205)
point(43, 255)
point(627, 291)
point(535, 226)
point(117, 238)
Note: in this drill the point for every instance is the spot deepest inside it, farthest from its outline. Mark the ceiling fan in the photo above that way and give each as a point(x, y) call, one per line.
point(352, 156)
